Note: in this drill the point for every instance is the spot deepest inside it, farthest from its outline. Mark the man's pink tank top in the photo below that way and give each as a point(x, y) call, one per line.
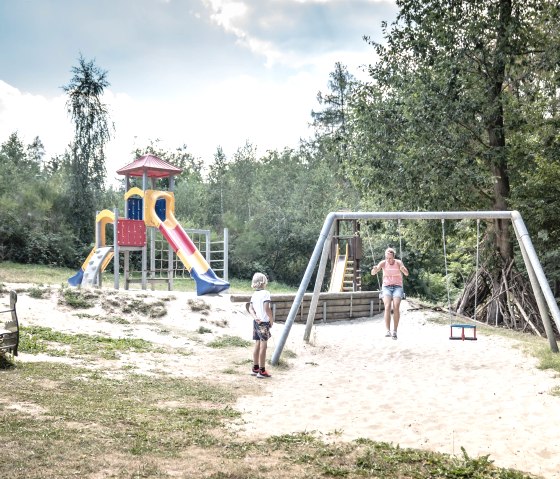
point(392, 274)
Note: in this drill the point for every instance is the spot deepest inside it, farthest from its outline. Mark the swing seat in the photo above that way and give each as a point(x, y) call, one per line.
point(463, 337)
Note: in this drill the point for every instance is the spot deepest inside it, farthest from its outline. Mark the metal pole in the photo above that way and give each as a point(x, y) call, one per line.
point(303, 286)
point(317, 289)
point(116, 252)
point(536, 269)
point(208, 248)
point(541, 302)
point(225, 273)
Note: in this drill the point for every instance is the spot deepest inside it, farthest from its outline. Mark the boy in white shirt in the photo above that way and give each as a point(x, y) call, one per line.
point(260, 310)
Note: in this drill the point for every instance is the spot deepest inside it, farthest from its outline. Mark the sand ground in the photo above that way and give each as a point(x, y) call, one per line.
point(421, 391)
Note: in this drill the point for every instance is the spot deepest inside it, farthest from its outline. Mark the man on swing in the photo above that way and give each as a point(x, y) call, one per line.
point(392, 290)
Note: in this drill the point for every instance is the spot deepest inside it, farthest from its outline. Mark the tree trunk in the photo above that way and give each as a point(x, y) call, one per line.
point(495, 128)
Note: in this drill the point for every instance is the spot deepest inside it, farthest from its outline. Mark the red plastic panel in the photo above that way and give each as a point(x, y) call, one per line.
point(131, 232)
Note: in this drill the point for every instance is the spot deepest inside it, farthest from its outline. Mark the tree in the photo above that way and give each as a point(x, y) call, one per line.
point(453, 87)
point(36, 151)
point(92, 131)
point(331, 123)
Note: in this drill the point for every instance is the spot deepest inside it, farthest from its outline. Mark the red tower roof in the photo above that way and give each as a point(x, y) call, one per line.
point(152, 165)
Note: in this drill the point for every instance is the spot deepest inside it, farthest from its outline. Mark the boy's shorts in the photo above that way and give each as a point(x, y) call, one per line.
point(261, 331)
point(393, 291)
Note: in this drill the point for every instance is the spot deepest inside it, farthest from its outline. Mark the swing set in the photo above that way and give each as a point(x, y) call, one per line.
point(546, 302)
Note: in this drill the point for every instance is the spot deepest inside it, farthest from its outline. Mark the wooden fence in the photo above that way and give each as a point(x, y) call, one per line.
point(330, 307)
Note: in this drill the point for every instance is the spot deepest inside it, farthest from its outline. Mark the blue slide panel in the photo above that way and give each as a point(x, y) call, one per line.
point(208, 283)
point(76, 280)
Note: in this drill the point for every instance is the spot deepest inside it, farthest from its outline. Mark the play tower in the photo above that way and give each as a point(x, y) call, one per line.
point(146, 210)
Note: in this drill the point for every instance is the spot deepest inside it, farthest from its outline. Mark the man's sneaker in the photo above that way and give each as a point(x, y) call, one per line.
point(388, 334)
point(255, 371)
point(263, 374)
point(394, 335)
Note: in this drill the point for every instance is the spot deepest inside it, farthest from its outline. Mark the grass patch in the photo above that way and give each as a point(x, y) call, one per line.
point(128, 305)
point(229, 342)
point(78, 298)
point(548, 359)
point(38, 292)
point(117, 320)
point(81, 419)
point(112, 302)
point(38, 339)
point(33, 273)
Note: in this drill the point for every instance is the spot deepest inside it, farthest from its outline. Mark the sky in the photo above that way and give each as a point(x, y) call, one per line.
point(200, 73)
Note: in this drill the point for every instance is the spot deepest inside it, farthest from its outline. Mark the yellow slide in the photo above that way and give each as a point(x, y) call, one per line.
point(338, 270)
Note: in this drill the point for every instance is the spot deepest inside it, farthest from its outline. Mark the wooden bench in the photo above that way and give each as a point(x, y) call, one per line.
point(9, 329)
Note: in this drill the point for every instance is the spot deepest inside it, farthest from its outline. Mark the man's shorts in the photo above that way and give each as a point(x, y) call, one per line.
point(392, 291)
point(261, 331)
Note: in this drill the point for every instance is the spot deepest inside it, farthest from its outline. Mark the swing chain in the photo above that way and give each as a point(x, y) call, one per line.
point(445, 263)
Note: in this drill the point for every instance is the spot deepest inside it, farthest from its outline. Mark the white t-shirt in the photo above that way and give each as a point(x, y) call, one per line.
point(258, 299)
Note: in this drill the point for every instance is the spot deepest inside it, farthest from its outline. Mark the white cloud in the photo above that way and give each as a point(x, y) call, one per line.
point(225, 13)
point(228, 113)
point(204, 93)
point(34, 115)
point(269, 113)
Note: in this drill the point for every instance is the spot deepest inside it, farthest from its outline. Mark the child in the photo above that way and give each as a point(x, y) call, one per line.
point(259, 307)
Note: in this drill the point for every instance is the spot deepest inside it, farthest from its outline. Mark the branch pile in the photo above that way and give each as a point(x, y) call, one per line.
point(502, 298)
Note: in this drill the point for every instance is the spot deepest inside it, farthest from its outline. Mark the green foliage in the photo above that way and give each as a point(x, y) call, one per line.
point(36, 292)
point(274, 207)
point(32, 225)
point(460, 113)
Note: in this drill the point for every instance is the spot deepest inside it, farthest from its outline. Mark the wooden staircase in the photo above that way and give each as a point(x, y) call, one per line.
point(351, 282)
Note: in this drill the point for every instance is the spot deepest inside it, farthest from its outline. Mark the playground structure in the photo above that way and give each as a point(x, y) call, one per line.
point(546, 302)
point(147, 211)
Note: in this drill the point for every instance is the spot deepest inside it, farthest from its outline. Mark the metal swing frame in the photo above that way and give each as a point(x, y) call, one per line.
point(545, 299)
